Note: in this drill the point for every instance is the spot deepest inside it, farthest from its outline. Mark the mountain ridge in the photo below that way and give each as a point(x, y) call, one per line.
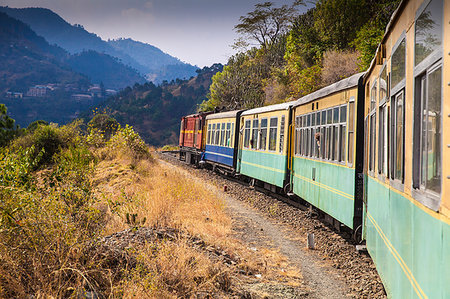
point(75, 39)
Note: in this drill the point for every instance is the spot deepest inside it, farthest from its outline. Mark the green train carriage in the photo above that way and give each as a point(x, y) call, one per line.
point(326, 168)
point(263, 146)
point(407, 157)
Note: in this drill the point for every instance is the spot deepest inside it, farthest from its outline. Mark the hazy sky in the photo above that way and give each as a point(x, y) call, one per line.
point(196, 31)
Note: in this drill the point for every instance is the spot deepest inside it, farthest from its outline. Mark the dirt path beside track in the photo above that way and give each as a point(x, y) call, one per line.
point(333, 270)
point(258, 231)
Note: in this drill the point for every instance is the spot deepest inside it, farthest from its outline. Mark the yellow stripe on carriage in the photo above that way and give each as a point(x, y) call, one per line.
point(326, 187)
point(264, 167)
point(398, 258)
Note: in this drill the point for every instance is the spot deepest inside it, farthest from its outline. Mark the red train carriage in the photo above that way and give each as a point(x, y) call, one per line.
point(192, 141)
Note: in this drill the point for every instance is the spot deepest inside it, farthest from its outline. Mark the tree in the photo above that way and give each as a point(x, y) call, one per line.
point(8, 129)
point(266, 23)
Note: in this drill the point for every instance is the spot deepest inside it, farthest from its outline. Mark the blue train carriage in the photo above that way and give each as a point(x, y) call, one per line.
point(263, 145)
point(221, 138)
point(327, 150)
point(407, 211)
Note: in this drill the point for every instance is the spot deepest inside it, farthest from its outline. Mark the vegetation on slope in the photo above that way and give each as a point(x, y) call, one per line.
point(155, 111)
point(298, 54)
point(82, 215)
point(27, 59)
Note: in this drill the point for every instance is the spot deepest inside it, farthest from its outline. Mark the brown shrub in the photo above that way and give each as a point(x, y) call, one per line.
point(338, 65)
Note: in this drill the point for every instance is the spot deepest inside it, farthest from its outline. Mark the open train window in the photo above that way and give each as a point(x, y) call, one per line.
point(255, 135)
point(232, 135)
point(228, 135)
point(247, 133)
point(397, 136)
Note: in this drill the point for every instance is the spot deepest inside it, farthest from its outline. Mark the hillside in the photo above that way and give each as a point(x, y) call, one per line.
point(148, 60)
point(160, 66)
point(155, 111)
point(102, 68)
point(27, 59)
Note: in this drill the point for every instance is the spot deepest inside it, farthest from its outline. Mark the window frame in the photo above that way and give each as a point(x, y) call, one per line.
point(247, 132)
point(260, 143)
point(270, 128)
point(425, 196)
point(255, 131)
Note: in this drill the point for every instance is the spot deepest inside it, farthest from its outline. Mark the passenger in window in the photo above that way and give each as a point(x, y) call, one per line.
point(317, 137)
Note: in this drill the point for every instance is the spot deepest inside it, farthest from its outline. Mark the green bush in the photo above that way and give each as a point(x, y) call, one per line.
point(129, 142)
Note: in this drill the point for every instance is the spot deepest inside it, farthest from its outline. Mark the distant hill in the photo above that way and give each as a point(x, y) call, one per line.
point(102, 68)
point(155, 111)
point(160, 66)
point(148, 60)
point(27, 59)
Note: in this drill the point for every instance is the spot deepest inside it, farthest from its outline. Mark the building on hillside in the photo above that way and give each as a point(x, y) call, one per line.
point(81, 97)
point(14, 95)
point(38, 91)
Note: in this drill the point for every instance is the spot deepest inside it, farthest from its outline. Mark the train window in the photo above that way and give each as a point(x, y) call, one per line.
point(208, 140)
point(281, 134)
point(428, 31)
point(322, 142)
point(329, 116)
point(342, 136)
point(247, 133)
point(217, 134)
point(318, 119)
point(382, 140)
point(343, 114)
point(351, 124)
point(263, 135)
point(328, 145)
point(336, 115)
point(228, 135)
point(222, 135)
point(324, 117)
point(312, 142)
point(273, 134)
point(398, 60)
point(213, 134)
point(397, 140)
point(428, 132)
point(313, 119)
point(255, 130)
point(383, 85)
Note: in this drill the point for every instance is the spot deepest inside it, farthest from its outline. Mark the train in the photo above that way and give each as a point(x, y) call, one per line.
point(372, 151)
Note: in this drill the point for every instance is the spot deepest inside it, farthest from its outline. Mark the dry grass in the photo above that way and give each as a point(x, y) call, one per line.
point(167, 197)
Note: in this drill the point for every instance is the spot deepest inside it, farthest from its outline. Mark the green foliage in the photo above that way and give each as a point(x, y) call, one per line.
point(128, 141)
point(8, 130)
point(306, 81)
point(241, 83)
point(104, 123)
point(35, 124)
point(48, 140)
point(48, 220)
point(337, 21)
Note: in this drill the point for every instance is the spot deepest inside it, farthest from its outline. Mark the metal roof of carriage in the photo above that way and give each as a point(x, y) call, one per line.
point(276, 107)
point(344, 84)
point(227, 114)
